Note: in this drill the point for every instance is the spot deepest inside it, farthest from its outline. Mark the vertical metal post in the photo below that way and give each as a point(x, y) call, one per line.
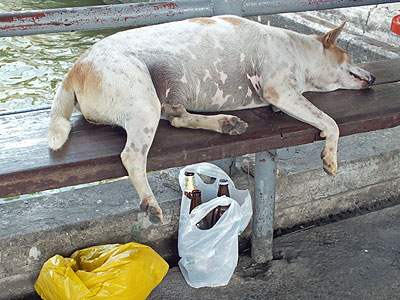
point(264, 206)
point(226, 164)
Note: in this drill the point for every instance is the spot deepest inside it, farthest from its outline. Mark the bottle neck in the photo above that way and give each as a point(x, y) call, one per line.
point(223, 190)
point(189, 184)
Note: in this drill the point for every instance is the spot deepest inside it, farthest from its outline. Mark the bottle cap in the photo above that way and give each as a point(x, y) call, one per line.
point(196, 192)
point(223, 181)
point(396, 24)
point(189, 174)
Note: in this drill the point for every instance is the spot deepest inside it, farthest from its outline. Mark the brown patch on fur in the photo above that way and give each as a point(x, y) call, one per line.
point(329, 42)
point(321, 39)
point(233, 21)
point(331, 37)
point(347, 57)
point(271, 94)
point(339, 54)
point(83, 77)
point(203, 21)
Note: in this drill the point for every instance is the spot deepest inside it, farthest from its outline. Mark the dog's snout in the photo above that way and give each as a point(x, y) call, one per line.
point(371, 80)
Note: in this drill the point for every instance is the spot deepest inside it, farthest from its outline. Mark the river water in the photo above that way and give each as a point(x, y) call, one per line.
point(32, 66)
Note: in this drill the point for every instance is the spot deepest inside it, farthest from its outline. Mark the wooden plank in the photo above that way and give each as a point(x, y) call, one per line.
point(92, 152)
point(386, 71)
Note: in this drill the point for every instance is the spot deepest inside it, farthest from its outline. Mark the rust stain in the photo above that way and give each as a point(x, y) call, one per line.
point(170, 5)
point(23, 18)
point(203, 21)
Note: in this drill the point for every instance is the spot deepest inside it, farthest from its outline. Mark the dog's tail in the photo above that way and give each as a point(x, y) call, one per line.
point(61, 111)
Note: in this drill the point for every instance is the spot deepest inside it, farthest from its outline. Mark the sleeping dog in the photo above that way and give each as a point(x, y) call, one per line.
point(176, 70)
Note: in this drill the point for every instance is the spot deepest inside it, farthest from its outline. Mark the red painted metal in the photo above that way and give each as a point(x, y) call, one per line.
point(139, 14)
point(100, 17)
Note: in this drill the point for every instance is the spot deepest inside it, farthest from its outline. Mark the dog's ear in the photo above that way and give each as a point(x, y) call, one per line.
point(331, 37)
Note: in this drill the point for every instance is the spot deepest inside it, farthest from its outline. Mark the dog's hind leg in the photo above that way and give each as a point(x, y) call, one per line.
point(140, 125)
point(178, 116)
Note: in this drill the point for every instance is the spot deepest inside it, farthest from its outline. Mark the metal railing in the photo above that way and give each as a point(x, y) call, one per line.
point(139, 14)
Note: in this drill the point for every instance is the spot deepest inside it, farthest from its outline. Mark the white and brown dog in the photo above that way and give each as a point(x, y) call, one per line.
point(134, 78)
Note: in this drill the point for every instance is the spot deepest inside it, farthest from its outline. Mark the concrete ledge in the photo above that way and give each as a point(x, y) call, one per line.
point(38, 228)
point(35, 229)
point(366, 36)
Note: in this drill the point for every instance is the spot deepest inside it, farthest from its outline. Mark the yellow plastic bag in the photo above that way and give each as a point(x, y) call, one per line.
point(112, 272)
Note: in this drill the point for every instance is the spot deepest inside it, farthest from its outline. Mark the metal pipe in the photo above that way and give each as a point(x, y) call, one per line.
point(264, 206)
point(223, 7)
point(266, 7)
point(139, 14)
point(101, 17)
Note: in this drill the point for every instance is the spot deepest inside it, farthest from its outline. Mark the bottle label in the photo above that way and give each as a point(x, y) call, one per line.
point(189, 184)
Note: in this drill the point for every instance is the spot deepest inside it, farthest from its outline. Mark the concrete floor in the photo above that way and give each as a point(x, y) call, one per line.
point(357, 258)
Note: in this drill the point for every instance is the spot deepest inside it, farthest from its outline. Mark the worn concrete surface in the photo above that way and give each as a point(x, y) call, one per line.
point(354, 259)
point(366, 36)
point(358, 258)
point(372, 21)
point(35, 229)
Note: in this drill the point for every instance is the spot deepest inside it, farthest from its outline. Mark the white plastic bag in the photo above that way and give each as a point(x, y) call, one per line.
point(209, 257)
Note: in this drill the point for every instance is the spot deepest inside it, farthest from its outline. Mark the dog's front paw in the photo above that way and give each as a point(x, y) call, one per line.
point(154, 212)
point(329, 163)
point(233, 125)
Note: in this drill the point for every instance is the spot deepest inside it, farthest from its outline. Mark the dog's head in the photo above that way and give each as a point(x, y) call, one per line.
point(335, 70)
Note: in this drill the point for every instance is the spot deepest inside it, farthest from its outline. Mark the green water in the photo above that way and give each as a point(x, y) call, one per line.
point(32, 66)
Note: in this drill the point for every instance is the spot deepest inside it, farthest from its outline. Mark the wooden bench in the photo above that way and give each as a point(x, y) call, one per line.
point(93, 152)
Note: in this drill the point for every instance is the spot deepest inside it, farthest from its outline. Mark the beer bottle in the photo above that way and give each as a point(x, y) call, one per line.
point(196, 201)
point(189, 184)
point(223, 190)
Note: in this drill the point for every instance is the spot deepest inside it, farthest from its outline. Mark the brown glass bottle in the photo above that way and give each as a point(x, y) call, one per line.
point(189, 184)
point(196, 201)
point(223, 190)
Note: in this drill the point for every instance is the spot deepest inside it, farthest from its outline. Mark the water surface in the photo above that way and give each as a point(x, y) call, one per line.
point(32, 66)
